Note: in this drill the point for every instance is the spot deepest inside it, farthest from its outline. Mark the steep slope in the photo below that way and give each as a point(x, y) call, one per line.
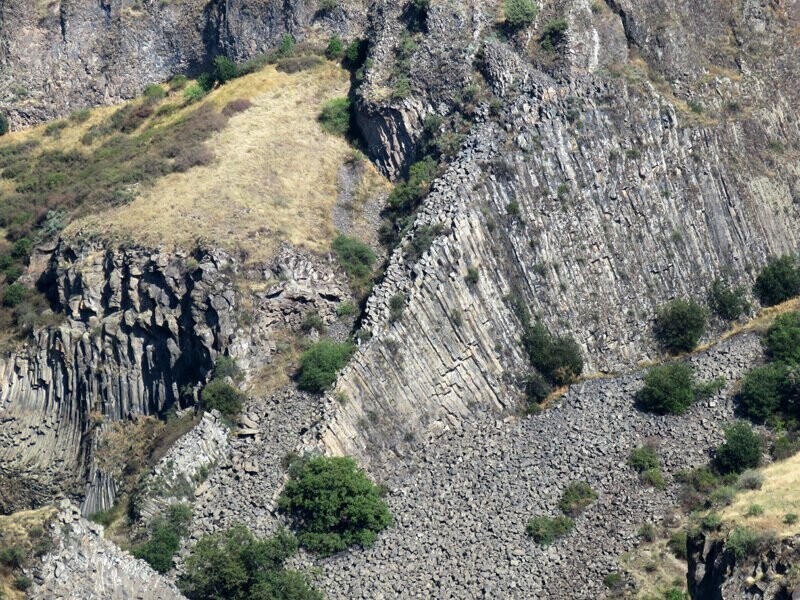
point(59, 56)
point(598, 194)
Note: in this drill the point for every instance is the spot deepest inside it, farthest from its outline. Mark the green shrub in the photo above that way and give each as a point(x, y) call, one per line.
point(647, 532)
point(674, 593)
point(677, 545)
point(741, 542)
point(225, 69)
point(740, 451)
point(668, 389)
point(335, 116)
point(397, 304)
point(783, 338)
point(473, 275)
point(655, 478)
point(165, 538)
point(225, 366)
point(154, 91)
point(644, 458)
point(711, 522)
point(22, 582)
point(754, 510)
point(558, 359)
point(545, 530)
point(576, 497)
point(790, 518)
point(234, 565)
point(680, 325)
point(520, 13)
point(728, 304)
point(286, 46)
point(193, 93)
point(15, 295)
point(320, 364)
point(4, 124)
point(554, 34)
point(356, 258)
point(220, 395)
point(613, 581)
point(785, 445)
point(333, 504)
point(12, 557)
point(405, 198)
point(80, 116)
point(178, 82)
point(778, 281)
point(761, 393)
point(750, 480)
point(722, 496)
point(346, 309)
point(335, 49)
point(536, 390)
point(313, 322)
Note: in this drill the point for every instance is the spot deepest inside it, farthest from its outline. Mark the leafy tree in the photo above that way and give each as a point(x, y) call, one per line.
point(668, 389)
point(761, 394)
point(778, 281)
point(545, 530)
point(222, 396)
point(680, 325)
point(320, 364)
point(783, 338)
point(234, 565)
point(4, 124)
point(558, 359)
point(520, 13)
point(740, 451)
point(15, 295)
point(335, 49)
point(333, 504)
point(728, 304)
point(165, 538)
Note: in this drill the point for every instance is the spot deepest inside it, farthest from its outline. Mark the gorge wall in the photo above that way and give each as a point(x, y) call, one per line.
point(592, 199)
point(141, 330)
point(57, 57)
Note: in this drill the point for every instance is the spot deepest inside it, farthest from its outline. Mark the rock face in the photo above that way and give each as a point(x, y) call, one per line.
point(595, 196)
point(84, 565)
point(56, 57)
point(139, 328)
point(715, 573)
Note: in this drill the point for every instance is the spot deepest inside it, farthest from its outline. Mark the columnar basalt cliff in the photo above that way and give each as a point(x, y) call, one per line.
point(56, 57)
point(139, 328)
point(768, 573)
point(593, 199)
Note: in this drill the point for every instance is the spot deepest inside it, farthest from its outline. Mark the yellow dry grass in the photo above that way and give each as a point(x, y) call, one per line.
point(15, 531)
point(778, 496)
point(275, 177)
point(655, 569)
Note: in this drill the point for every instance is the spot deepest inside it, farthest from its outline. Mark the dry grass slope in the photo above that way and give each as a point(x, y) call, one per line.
point(779, 496)
point(275, 177)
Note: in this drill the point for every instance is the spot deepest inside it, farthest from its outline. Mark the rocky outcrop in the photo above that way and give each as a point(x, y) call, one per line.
point(56, 57)
point(85, 565)
point(181, 473)
point(141, 331)
point(595, 197)
point(769, 573)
